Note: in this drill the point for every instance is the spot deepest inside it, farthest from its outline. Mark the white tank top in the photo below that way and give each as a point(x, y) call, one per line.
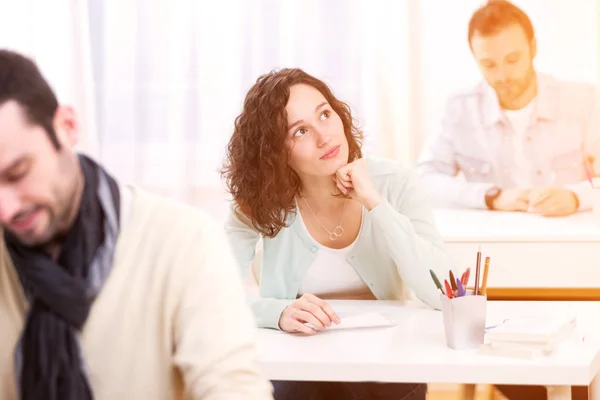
point(330, 276)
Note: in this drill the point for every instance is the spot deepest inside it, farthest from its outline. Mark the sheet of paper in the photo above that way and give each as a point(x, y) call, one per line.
point(366, 320)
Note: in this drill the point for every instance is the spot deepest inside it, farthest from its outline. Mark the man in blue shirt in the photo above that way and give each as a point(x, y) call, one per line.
point(520, 139)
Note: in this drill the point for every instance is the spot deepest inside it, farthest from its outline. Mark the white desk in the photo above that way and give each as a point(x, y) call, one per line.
point(415, 351)
point(526, 250)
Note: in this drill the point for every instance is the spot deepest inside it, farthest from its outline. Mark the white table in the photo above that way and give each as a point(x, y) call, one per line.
point(526, 250)
point(415, 351)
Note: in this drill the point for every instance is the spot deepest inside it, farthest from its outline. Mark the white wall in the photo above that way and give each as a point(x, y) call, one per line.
point(567, 37)
point(171, 78)
point(55, 34)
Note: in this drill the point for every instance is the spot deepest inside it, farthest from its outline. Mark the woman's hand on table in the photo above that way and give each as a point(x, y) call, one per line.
point(307, 309)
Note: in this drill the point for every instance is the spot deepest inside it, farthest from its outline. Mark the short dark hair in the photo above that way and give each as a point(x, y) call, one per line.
point(22, 81)
point(497, 14)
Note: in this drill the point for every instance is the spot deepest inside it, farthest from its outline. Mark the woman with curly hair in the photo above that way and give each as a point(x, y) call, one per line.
point(334, 225)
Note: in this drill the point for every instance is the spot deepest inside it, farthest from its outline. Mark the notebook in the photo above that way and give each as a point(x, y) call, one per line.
point(523, 352)
point(532, 329)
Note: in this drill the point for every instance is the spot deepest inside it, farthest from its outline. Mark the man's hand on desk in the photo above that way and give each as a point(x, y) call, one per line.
point(512, 200)
point(549, 202)
point(310, 309)
point(553, 202)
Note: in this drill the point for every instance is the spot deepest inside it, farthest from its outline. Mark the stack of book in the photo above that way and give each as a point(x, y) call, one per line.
point(528, 337)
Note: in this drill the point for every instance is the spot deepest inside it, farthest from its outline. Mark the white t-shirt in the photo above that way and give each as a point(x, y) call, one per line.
point(520, 121)
point(331, 276)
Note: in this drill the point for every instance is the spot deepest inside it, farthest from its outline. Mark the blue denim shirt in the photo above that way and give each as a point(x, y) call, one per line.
point(476, 140)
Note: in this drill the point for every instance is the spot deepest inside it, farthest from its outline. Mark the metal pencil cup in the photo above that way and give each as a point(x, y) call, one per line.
point(464, 320)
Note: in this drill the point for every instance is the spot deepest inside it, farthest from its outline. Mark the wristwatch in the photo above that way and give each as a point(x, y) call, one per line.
point(491, 195)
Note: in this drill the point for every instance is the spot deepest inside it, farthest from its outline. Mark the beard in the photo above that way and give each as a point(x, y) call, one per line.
point(56, 215)
point(55, 229)
point(510, 90)
point(30, 237)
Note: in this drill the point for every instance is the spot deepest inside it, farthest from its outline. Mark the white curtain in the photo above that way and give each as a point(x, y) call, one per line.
point(56, 35)
point(158, 83)
point(171, 77)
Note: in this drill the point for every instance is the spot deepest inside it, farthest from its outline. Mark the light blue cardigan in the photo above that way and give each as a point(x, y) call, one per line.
point(398, 244)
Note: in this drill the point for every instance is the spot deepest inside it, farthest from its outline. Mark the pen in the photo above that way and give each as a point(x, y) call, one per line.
point(592, 173)
point(436, 281)
point(477, 268)
point(449, 291)
point(485, 276)
point(587, 163)
point(466, 276)
point(452, 281)
point(461, 289)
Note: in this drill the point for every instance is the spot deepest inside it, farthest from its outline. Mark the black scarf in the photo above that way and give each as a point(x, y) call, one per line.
point(49, 361)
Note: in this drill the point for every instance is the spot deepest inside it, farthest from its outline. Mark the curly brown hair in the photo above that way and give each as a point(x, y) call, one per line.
point(256, 170)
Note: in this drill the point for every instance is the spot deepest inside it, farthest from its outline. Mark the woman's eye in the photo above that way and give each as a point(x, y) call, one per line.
point(300, 132)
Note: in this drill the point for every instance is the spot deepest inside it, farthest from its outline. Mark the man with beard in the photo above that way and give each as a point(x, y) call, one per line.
point(521, 140)
point(107, 291)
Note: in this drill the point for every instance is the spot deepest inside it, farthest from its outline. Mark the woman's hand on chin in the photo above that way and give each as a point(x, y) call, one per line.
point(355, 181)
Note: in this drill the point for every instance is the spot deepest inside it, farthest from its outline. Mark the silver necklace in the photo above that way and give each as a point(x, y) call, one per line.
point(338, 230)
